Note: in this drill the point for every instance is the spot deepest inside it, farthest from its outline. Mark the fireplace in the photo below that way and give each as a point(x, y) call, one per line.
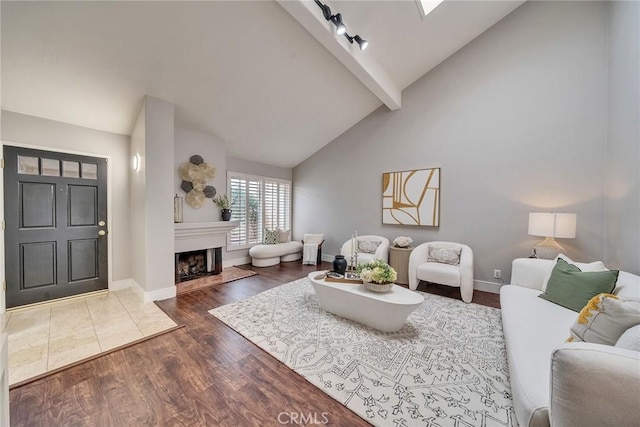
point(199, 263)
point(202, 237)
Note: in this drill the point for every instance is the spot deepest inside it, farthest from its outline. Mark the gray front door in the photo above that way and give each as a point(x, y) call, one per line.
point(55, 207)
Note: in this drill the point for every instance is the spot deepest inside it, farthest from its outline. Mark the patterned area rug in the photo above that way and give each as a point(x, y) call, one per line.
point(446, 367)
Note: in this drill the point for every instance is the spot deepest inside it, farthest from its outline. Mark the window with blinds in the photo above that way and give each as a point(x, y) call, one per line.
point(259, 203)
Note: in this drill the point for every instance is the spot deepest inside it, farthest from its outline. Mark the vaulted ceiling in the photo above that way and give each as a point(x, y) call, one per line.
point(245, 71)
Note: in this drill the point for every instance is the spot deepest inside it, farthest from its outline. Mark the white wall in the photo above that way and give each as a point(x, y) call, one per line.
point(622, 248)
point(259, 169)
point(35, 131)
point(187, 143)
point(138, 203)
point(155, 184)
point(517, 122)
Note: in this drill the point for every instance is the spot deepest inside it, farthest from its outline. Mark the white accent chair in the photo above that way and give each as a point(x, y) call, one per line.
point(382, 252)
point(460, 276)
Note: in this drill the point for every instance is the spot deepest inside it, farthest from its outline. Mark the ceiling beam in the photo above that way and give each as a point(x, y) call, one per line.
point(363, 66)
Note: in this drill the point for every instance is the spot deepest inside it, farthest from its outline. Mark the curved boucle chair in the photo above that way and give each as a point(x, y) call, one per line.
point(382, 252)
point(460, 276)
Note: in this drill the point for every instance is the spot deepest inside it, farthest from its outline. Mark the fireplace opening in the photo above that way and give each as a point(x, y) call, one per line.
point(192, 265)
point(195, 264)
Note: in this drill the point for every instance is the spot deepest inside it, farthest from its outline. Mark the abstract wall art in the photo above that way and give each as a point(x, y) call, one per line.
point(411, 197)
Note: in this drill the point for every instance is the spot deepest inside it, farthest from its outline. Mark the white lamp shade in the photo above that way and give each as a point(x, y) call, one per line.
point(551, 224)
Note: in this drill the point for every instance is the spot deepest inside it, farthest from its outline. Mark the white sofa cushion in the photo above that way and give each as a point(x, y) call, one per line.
point(532, 328)
point(630, 339)
point(445, 274)
point(530, 272)
point(627, 286)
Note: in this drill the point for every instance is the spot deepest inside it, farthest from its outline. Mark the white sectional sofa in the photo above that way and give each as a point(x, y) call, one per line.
point(268, 255)
point(564, 384)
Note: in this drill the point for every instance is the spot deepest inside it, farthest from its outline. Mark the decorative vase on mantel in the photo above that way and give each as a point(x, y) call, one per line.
point(378, 287)
point(226, 214)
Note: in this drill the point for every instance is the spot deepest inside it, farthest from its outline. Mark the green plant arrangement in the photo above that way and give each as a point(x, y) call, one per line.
point(377, 271)
point(223, 201)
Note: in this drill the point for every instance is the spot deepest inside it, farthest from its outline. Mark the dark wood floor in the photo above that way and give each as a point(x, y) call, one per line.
point(204, 374)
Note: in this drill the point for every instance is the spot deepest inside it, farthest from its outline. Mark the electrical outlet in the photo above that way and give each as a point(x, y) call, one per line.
point(497, 274)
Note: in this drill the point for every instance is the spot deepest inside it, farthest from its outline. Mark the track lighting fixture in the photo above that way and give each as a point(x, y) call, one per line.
point(340, 27)
point(362, 43)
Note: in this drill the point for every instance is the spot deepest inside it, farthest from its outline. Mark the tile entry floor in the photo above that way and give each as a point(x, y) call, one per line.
point(52, 335)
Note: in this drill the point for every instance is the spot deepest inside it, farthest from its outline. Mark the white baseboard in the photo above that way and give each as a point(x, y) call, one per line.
point(160, 294)
point(155, 295)
point(481, 285)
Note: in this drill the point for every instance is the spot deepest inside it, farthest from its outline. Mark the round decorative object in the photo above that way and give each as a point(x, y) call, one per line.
point(199, 185)
point(186, 186)
point(378, 287)
point(226, 214)
point(204, 172)
point(186, 171)
point(195, 198)
point(339, 264)
point(196, 159)
point(209, 191)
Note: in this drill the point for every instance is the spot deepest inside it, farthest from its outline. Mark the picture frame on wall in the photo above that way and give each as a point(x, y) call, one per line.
point(411, 197)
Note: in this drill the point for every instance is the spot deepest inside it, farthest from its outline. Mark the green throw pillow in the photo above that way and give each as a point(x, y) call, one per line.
point(572, 288)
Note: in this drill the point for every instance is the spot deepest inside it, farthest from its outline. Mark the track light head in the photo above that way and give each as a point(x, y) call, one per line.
point(337, 21)
point(341, 29)
point(361, 42)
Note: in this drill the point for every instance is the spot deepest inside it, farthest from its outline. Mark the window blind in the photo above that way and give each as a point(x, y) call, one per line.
point(259, 203)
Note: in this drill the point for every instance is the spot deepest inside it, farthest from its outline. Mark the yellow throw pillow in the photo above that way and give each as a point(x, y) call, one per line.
point(604, 319)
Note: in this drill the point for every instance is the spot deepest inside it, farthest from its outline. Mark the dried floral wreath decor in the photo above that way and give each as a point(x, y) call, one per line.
point(195, 173)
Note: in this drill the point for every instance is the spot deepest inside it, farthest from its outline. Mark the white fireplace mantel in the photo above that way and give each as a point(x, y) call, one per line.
point(193, 236)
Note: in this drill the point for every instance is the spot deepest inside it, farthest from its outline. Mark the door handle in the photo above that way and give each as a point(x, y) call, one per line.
point(101, 233)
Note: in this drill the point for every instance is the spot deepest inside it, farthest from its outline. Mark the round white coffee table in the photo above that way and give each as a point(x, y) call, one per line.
point(384, 311)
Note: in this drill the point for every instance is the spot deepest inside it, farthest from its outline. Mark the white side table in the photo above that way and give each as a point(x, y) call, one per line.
point(399, 260)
